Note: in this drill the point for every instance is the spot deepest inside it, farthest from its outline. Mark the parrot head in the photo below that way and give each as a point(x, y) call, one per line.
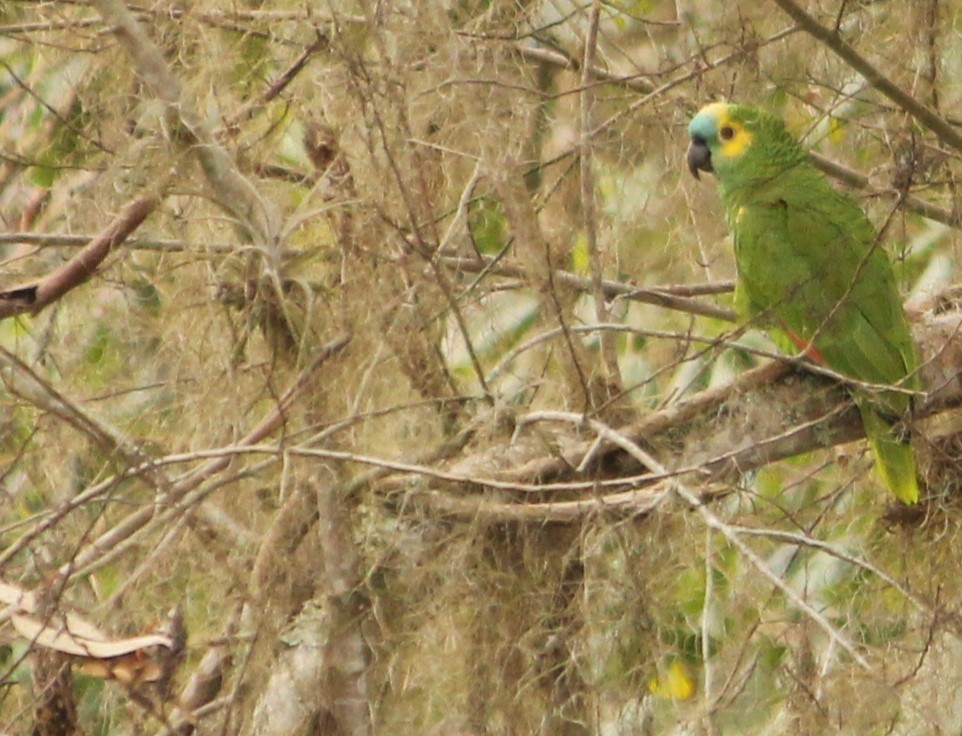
point(743, 146)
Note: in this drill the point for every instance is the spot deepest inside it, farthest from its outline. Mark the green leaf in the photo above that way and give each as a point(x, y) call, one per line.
point(488, 226)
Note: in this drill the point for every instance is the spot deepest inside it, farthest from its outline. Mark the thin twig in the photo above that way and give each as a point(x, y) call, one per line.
point(170, 245)
point(803, 540)
point(859, 181)
point(257, 216)
point(669, 297)
point(609, 355)
point(713, 521)
point(107, 541)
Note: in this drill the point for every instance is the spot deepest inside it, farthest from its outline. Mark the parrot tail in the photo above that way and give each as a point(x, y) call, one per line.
point(894, 459)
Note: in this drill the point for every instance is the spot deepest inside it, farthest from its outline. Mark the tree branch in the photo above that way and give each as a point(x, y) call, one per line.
point(764, 415)
point(257, 216)
point(854, 179)
point(924, 114)
point(79, 269)
point(614, 386)
point(671, 297)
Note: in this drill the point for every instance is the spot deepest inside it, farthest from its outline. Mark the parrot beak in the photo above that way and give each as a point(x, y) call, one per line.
point(699, 156)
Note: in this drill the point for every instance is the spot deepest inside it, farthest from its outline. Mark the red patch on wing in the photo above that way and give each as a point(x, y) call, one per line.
point(808, 350)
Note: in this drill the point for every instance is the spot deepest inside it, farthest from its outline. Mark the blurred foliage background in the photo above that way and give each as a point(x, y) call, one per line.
point(439, 217)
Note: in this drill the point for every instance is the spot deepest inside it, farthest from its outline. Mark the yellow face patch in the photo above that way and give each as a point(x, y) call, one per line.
point(733, 137)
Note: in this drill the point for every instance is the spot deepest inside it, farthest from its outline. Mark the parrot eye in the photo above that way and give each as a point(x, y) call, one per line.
point(727, 133)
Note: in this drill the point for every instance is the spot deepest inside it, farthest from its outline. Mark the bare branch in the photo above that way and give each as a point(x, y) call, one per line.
point(859, 181)
point(81, 267)
point(831, 38)
point(670, 297)
point(258, 217)
point(613, 387)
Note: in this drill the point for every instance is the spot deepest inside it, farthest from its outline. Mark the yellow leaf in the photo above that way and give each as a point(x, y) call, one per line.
point(677, 683)
point(836, 130)
point(580, 259)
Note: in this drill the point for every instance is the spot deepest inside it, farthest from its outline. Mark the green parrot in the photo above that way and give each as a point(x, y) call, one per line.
point(811, 269)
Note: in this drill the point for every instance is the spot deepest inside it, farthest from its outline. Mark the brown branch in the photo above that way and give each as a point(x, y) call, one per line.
point(283, 80)
point(831, 38)
point(614, 386)
point(769, 413)
point(854, 179)
point(79, 269)
point(562, 61)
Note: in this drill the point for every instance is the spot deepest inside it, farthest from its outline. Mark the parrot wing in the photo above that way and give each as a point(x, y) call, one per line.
point(865, 334)
point(815, 270)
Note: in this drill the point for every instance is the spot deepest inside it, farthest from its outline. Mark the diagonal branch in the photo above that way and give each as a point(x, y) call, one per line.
point(924, 114)
point(258, 218)
point(713, 521)
point(83, 265)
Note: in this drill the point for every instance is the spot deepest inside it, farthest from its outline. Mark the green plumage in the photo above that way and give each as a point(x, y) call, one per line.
point(811, 269)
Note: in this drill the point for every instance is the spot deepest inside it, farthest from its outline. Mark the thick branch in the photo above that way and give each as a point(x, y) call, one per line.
point(764, 415)
point(79, 269)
